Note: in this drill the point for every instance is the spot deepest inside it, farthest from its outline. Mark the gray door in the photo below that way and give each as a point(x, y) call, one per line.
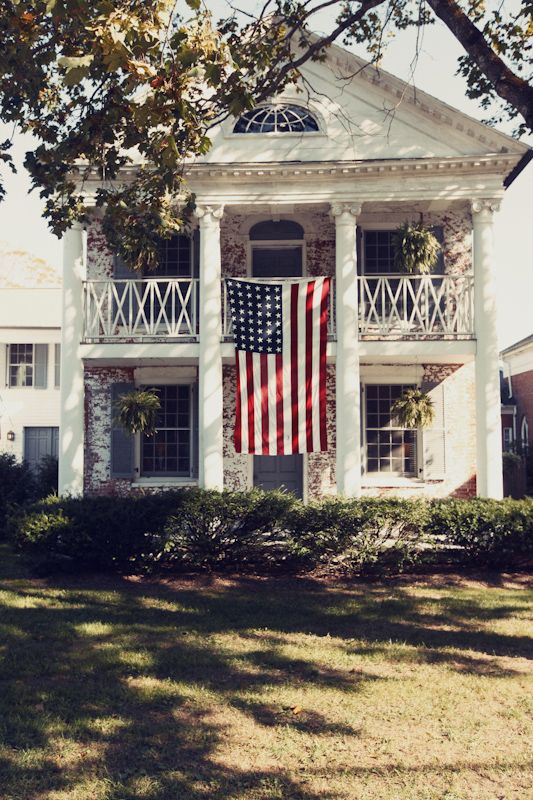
point(38, 443)
point(274, 472)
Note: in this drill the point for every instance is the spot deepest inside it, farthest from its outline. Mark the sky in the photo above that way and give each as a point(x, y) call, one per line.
point(22, 226)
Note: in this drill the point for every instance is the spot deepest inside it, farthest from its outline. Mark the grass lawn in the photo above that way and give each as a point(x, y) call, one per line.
point(252, 689)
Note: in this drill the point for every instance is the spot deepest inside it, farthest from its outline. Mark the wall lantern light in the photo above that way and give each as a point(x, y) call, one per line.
point(11, 436)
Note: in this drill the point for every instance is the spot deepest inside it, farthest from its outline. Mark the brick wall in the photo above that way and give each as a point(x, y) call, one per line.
point(98, 381)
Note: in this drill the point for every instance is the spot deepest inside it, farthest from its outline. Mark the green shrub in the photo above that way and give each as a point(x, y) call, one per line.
point(194, 529)
point(237, 530)
point(94, 532)
point(46, 478)
point(17, 485)
point(495, 533)
point(360, 536)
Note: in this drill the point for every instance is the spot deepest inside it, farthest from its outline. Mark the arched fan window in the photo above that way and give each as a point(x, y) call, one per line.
point(286, 118)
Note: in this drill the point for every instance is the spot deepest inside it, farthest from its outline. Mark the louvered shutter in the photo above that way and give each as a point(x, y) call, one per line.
point(195, 449)
point(122, 452)
point(40, 366)
point(434, 437)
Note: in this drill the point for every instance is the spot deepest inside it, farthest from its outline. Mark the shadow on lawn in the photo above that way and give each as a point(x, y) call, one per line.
point(107, 663)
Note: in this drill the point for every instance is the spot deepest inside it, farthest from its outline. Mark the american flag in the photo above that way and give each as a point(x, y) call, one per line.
point(280, 332)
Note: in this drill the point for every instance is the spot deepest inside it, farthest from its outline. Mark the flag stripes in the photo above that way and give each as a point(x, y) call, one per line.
point(281, 395)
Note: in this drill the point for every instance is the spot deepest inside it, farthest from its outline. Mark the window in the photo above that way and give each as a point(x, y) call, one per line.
point(286, 118)
point(507, 439)
point(378, 252)
point(21, 365)
point(27, 365)
point(389, 448)
point(524, 435)
point(169, 451)
point(57, 365)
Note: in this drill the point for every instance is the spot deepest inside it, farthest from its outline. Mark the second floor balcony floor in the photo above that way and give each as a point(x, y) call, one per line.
point(390, 307)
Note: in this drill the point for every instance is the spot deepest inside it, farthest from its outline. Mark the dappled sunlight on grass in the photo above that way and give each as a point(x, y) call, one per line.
point(257, 689)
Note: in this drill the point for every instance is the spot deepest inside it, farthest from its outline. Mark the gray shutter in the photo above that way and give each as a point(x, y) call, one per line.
point(195, 449)
point(40, 367)
point(434, 437)
point(122, 453)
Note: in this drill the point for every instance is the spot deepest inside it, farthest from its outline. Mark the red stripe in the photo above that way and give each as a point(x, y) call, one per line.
point(279, 403)
point(294, 366)
point(309, 365)
point(264, 405)
point(238, 409)
point(322, 398)
point(250, 386)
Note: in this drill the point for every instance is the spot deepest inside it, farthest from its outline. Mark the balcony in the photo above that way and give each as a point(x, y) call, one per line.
point(395, 307)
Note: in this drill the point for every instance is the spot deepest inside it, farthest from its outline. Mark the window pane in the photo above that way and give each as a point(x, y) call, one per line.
point(168, 452)
point(389, 449)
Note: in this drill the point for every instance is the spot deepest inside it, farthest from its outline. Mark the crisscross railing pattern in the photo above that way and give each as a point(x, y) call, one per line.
point(162, 308)
point(416, 306)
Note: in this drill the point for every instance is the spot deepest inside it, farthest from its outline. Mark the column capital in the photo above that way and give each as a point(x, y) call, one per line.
point(345, 212)
point(209, 214)
point(484, 206)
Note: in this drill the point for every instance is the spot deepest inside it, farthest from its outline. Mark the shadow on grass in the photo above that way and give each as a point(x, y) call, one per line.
point(127, 671)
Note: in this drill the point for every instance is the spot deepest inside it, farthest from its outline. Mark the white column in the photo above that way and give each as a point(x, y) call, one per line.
point(71, 426)
point(211, 471)
point(347, 366)
point(488, 416)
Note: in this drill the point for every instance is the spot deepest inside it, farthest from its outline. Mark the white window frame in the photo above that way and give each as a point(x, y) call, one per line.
point(166, 376)
point(9, 365)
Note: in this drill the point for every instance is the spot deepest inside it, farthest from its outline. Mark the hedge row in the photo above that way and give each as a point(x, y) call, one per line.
point(192, 529)
point(19, 485)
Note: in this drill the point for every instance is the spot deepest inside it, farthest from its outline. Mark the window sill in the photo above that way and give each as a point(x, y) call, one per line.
point(372, 482)
point(159, 482)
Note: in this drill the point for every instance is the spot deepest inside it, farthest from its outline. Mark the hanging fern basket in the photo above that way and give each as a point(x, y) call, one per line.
point(136, 411)
point(414, 409)
point(416, 248)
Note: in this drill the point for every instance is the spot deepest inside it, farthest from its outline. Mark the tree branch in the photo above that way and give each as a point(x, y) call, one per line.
point(507, 85)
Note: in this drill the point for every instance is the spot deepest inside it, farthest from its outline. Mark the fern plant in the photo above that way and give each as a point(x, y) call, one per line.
point(416, 248)
point(414, 409)
point(136, 411)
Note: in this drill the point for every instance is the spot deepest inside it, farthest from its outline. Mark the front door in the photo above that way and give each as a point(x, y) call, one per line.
point(275, 472)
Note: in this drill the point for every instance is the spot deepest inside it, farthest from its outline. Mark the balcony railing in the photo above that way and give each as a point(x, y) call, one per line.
point(162, 309)
point(416, 306)
point(391, 307)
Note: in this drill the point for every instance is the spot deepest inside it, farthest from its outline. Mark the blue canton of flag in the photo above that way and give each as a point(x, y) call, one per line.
point(256, 316)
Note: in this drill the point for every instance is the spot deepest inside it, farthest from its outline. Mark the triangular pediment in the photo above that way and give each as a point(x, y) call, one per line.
point(364, 114)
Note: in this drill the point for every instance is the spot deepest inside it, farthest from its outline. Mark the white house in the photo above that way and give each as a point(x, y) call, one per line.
point(30, 336)
point(306, 185)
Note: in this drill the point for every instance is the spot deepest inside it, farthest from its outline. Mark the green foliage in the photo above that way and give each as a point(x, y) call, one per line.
point(109, 533)
point(416, 248)
point(192, 529)
point(494, 533)
point(414, 409)
point(17, 485)
point(114, 84)
point(359, 536)
point(46, 478)
point(237, 530)
point(137, 411)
